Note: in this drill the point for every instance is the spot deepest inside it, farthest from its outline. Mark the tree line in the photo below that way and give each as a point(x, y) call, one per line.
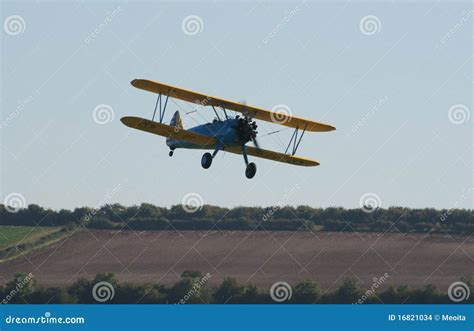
point(287, 218)
point(105, 288)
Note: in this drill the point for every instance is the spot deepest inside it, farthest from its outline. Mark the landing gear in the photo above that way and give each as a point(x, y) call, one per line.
point(206, 160)
point(251, 170)
point(171, 153)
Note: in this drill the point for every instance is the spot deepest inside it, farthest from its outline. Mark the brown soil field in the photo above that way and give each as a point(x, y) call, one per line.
point(259, 258)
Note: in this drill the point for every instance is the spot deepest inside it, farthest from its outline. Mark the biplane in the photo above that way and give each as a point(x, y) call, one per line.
point(226, 132)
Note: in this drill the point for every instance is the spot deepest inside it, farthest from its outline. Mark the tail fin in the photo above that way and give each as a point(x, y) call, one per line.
point(176, 121)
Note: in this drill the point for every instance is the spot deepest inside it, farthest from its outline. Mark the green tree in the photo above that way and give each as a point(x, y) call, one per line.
point(306, 292)
point(348, 292)
point(229, 292)
point(20, 288)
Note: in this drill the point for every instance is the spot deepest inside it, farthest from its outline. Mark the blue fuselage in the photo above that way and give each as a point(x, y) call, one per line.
point(223, 131)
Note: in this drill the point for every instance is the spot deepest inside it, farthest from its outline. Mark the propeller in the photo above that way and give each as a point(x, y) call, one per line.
point(254, 138)
point(248, 126)
point(246, 130)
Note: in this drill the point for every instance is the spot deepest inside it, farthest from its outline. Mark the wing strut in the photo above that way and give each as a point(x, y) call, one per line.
point(225, 113)
point(215, 112)
point(295, 140)
point(162, 109)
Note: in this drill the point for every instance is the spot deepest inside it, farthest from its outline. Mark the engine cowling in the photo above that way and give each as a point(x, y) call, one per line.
point(246, 129)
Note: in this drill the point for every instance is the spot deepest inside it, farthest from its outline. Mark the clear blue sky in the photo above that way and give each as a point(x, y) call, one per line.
point(399, 77)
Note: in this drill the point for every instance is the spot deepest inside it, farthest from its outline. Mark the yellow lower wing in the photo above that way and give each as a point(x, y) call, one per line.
point(180, 134)
point(167, 131)
point(274, 156)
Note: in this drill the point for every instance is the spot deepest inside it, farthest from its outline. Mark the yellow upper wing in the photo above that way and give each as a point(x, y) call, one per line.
point(275, 156)
point(166, 130)
point(255, 112)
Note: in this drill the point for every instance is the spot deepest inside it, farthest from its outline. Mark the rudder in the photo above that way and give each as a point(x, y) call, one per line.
point(176, 121)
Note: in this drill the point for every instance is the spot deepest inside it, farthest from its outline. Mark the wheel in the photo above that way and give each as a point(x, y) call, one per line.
point(251, 170)
point(171, 153)
point(206, 160)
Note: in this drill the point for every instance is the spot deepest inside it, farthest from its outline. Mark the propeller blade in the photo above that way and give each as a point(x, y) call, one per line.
point(255, 142)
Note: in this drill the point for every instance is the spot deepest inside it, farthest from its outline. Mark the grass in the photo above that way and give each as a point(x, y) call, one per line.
point(14, 235)
point(17, 240)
